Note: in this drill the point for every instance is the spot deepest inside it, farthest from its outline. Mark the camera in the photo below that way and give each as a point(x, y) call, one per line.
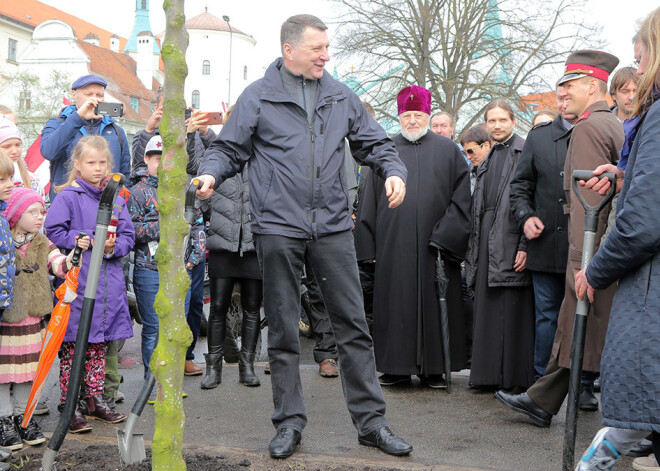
point(115, 110)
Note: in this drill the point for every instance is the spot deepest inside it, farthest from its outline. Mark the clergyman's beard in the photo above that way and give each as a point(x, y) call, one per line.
point(422, 132)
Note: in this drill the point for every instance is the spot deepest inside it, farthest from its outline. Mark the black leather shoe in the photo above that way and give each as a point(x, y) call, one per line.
point(522, 403)
point(284, 443)
point(587, 401)
point(391, 380)
point(385, 440)
point(434, 381)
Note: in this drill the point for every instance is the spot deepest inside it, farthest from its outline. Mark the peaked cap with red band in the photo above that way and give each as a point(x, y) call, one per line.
point(586, 63)
point(414, 98)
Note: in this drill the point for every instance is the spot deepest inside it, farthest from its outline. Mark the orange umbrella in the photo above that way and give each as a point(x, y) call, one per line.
point(59, 320)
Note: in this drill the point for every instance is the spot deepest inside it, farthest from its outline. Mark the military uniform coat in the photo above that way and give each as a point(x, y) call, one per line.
point(595, 140)
point(404, 243)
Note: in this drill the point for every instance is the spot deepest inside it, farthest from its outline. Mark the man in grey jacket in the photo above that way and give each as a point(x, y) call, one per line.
point(291, 126)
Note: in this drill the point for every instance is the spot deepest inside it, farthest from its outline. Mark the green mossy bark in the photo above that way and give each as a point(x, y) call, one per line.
point(168, 359)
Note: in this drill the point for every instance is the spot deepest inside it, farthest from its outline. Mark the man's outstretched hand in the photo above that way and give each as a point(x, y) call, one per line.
point(205, 192)
point(395, 190)
point(602, 186)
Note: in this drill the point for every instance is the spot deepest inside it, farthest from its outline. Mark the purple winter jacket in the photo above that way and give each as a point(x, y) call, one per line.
point(74, 211)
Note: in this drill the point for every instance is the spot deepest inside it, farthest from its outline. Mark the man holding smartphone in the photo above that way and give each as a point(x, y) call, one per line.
point(81, 119)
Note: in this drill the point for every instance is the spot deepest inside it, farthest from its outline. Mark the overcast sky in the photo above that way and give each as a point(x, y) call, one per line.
point(262, 18)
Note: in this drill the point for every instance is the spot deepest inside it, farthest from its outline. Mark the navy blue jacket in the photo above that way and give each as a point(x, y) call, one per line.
point(630, 365)
point(297, 175)
point(61, 134)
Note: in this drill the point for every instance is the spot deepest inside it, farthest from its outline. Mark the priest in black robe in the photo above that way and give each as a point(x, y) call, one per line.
point(404, 244)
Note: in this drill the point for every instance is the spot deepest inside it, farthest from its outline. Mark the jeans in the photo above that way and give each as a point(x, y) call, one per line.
point(145, 284)
point(195, 305)
point(332, 258)
point(548, 296)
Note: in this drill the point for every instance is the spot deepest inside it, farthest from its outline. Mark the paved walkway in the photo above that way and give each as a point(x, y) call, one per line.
point(461, 431)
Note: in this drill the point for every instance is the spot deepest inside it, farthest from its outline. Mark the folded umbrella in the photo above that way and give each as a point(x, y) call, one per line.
point(59, 320)
point(442, 283)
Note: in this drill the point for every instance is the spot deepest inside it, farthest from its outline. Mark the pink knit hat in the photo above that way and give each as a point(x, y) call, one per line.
point(20, 200)
point(8, 130)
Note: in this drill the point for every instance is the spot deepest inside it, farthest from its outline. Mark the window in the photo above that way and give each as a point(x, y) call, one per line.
point(25, 100)
point(206, 68)
point(144, 4)
point(245, 72)
point(11, 50)
point(135, 104)
point(195, 99)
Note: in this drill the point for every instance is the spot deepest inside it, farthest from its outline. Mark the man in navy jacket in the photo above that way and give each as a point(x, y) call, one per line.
point(61, 134)
point(292, 125)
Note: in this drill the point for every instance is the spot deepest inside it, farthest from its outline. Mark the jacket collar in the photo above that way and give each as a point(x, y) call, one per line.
point(557, 129)
point(274, 87)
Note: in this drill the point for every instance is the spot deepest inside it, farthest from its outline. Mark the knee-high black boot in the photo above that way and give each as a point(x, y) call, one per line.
point(215, 338)
point(249, 336)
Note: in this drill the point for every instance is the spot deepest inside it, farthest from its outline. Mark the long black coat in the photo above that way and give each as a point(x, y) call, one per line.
point(537, 189)
point(404, 242)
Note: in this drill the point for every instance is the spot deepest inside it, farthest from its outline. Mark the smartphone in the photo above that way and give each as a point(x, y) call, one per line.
point(214, 117)
point(115, 110)
point(187, 113)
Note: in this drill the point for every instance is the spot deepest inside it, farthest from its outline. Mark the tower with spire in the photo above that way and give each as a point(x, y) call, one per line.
point(140, 25)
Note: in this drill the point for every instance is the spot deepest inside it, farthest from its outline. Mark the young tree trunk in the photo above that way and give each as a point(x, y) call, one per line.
point(174, 336)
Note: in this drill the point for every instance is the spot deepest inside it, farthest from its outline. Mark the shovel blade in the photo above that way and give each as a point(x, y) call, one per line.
point(131, 447)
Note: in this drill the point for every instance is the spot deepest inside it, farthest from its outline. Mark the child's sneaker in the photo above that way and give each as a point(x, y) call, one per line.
point(600, 456)
point(646, 463)
point(31, 435)
point(8, 435)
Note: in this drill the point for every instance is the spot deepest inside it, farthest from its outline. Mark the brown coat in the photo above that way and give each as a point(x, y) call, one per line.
point(595, 140)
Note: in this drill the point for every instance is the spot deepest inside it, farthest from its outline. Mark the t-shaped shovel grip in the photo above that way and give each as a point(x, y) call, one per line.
point(591, 219)
point(189, 212)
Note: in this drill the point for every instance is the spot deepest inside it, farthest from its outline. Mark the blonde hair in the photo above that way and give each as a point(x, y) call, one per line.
point(649, 36)
point(96, 142)
point(6, 165)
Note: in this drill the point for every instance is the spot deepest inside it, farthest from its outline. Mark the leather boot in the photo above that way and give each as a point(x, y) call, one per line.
point(249, 337)
point(78, 423)
point(96, 408)
point(213, 375)
point(215, 337)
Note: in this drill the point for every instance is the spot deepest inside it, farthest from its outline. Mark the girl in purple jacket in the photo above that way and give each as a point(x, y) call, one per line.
point(72, 211)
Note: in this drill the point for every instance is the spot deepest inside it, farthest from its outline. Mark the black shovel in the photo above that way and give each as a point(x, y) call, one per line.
point(108, 197)
point(581, 312)
point(442, 283)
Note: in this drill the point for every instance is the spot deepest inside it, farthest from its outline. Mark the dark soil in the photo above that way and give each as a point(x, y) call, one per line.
point(102, 457)
point(106, 458)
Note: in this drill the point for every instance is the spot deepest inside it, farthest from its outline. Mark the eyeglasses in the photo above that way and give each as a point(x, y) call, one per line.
point(37, 213)
point(472, 150)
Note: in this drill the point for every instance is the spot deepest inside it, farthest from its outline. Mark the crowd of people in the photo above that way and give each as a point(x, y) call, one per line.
point(302, 183)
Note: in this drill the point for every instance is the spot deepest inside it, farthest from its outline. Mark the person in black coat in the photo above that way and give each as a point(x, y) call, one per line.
point(537, 201)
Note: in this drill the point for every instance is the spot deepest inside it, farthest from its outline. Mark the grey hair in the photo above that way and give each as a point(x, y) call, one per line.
point(292, 29)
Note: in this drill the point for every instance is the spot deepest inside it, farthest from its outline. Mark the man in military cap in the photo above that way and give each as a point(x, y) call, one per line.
point(595, 140)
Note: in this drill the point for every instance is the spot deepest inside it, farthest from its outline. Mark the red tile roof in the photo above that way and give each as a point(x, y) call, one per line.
point(544, 101)
point(33, 12)
point(119, 70)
